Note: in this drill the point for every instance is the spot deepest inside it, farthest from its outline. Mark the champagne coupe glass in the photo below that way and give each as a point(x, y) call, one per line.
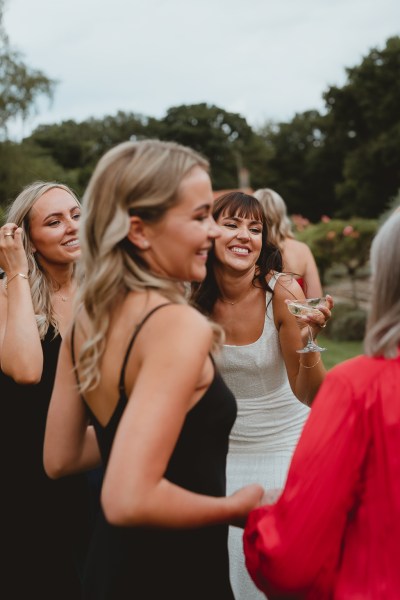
point(304, 308)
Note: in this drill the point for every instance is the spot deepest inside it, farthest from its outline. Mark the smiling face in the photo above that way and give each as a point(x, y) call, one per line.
point(180, 242)
point(240, 243)
point(53, 228)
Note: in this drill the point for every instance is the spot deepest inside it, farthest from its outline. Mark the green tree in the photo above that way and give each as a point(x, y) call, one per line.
point(347, 161)
point(224, 138)
point(364, 117)
point(20, 85)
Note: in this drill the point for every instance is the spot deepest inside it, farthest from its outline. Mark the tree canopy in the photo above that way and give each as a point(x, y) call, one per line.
point(342, 163)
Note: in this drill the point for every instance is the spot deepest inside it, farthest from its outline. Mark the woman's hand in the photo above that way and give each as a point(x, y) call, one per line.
point(316, 321)
point(246, 499)
point(12, 253)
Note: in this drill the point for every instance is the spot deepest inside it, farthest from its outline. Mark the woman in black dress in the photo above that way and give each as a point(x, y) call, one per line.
point(161, 412)
point(46, 522)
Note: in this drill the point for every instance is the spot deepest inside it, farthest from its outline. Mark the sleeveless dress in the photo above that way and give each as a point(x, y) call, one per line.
point(46, 522)
point(269, 422)
point(151, 564)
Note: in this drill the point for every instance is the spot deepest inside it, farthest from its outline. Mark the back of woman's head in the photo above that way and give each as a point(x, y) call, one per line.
point(383, 327)
point(20, 212)
point(279, 227)
point(134, 178)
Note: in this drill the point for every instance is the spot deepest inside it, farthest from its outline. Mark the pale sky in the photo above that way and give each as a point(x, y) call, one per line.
point(264, 59)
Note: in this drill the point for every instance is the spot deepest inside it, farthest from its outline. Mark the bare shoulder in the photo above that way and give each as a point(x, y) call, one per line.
point(176, 323)
point(296, 246)
point(287, 287)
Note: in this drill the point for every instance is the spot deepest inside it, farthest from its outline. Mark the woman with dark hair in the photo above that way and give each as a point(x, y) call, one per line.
point(335, 530)
point(245, 292)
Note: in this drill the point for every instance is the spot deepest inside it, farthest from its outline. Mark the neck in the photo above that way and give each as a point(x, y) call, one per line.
point(61, 277)
point(234, 287)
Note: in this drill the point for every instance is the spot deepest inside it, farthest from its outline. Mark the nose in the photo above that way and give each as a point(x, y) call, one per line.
point(214, 230)
point(243, 233)
point(72, 225)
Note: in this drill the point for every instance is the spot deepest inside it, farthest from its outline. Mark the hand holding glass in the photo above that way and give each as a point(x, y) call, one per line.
point(306, 307)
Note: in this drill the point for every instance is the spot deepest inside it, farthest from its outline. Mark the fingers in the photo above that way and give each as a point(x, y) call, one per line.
point(8, 231)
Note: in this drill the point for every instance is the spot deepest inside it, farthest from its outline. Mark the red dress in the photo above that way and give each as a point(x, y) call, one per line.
point(335, 531)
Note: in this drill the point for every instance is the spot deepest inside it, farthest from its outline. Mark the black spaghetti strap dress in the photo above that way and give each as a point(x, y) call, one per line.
point(151, 564)
point(45, 523)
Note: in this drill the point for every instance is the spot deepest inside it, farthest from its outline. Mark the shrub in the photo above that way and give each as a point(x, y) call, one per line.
point(347, 323)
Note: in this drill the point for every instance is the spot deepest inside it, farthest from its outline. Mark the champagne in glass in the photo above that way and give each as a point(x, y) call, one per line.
point(307, 307)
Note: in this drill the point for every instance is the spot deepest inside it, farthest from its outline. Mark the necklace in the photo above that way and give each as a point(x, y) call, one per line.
point(228, 301)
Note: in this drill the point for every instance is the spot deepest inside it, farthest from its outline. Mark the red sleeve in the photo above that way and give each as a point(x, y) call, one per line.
point(295, 544)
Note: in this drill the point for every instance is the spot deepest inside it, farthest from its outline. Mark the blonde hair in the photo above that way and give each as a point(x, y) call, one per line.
point(140, 178)
point(19, 213)
point(279, 227)
point(383, 326)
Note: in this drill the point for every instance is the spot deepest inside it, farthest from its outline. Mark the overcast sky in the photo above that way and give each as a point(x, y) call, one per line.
point(264, 59)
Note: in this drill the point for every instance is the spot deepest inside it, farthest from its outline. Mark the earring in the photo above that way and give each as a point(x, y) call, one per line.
point(145, 244)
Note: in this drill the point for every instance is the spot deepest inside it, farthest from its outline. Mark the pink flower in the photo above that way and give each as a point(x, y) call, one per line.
point(348, 230)
point(325, 219)
point(331, 235)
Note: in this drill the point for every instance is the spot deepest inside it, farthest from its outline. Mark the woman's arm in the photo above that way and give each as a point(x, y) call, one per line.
point(311, 276)
point(21, 353)
point(70, 443)
point(173, 353)
point(305, 371)
point(296, 543)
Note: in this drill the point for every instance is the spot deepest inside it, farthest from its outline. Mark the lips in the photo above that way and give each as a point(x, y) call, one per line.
point(239, 250)
point(71, 243)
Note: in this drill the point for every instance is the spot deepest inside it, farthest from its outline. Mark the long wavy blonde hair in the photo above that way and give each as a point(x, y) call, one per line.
point(140, 178)
point(19, 213)
point(279, 226)
point(383, 327)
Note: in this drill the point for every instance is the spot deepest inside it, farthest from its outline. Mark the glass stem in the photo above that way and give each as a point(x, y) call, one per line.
point(310, 336)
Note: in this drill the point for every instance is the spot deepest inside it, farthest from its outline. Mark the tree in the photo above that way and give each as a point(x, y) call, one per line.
point(224, 138)
point(20, 86)
point(365, 116)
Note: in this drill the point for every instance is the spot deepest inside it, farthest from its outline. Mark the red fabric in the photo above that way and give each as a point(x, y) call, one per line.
point(301, 282)
point(335, 531)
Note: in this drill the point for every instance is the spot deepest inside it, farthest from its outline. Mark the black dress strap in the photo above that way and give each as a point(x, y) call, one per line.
point(135, 333)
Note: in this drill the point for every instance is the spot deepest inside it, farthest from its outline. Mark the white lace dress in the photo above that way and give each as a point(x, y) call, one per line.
point(268, 424)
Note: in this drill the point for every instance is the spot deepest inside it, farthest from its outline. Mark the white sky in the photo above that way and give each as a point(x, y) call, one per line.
point(265, 59)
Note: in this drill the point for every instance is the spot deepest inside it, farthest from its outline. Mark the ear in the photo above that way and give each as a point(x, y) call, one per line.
point(137, 235)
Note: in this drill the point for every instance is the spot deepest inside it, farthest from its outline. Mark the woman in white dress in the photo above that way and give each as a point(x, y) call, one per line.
point(245, 292)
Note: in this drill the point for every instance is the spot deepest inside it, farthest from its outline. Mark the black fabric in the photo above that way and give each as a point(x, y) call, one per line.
point(150, 564)
point(46, 523)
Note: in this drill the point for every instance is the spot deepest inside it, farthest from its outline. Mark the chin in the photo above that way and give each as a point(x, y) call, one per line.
point(198, 276)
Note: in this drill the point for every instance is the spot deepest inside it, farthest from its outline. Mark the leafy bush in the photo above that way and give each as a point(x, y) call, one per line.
point(333, 241)
point(347, 323)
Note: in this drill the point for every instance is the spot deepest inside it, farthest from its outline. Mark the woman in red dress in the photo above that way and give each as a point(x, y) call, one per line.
point(334, 533)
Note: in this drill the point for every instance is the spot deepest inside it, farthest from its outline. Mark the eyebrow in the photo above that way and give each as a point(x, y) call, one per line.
point(254, 222)
point(206, 206)
point(59, 214)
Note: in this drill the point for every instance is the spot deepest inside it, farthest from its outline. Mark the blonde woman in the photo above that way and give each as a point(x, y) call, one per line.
point(297, 256)
point(161, 412)
point(38, 251)
point(335, 530)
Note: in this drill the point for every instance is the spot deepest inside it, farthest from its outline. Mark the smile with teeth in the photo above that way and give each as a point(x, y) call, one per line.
point(239, 250)
point(72, 243)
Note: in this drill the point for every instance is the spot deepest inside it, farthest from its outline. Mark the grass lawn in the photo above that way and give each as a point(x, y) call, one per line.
point(337, 352)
